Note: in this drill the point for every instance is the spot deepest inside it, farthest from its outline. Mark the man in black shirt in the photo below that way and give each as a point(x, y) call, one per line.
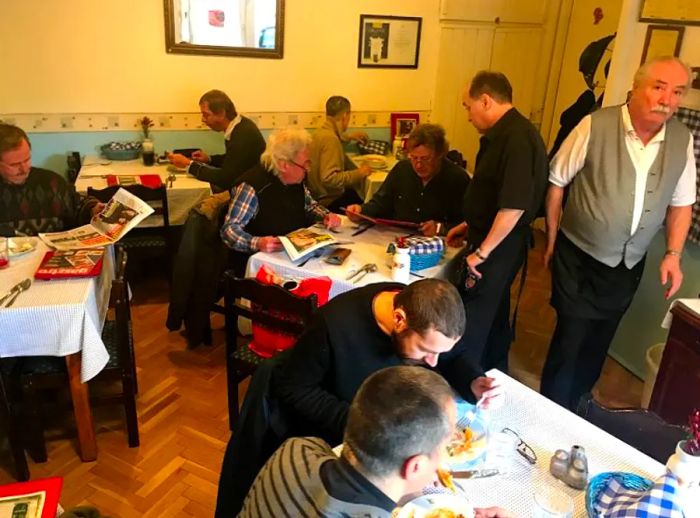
point(505, 193)
point(244, 143)
point(427, 188)
point(367, 329)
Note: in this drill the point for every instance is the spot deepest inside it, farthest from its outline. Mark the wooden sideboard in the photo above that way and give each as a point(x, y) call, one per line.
point(677, 388)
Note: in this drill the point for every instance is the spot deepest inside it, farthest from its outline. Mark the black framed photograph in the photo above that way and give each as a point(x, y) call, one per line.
point(676, 13)
point(389, 41)
point(662, 40)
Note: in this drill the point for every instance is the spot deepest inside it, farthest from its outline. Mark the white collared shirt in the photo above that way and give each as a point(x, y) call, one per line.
point(229, 129)
point(571, 156)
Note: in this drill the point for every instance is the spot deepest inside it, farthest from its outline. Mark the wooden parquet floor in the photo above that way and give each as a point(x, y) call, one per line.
point(183, 418)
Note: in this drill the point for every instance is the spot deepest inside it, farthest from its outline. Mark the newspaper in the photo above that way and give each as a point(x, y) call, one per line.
point(122, 213)
point(304, 241)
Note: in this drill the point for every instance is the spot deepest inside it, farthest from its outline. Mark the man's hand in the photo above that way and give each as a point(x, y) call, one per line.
point(97, 208)
point(200, 156)
point(332, 220)
point(428, 228)
point(351, 211)
point(670, 269)
point(365, 170)
point(359, 136)
point(491, 512)
point(488, 389)
point(456, 235)
point(547, 256)
point(269, 244)
point(472, 262)
point(178, 160)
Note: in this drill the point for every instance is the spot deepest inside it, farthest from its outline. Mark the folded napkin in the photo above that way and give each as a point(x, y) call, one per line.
point(661, 500)
point(147, 180)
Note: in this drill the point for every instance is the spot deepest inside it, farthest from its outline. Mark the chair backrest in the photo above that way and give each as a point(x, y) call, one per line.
point(74, 164)
point(637, 427)
point(119, 301)
point(279, 305)
point(147, 194)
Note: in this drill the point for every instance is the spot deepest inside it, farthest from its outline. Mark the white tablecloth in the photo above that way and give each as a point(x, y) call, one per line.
point(185, 193)
point(56, 317)
point(547, 427)
point(368, 247)
point(374, 181)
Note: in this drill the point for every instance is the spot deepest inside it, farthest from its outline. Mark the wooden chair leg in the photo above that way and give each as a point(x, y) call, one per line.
point(233, 410)
point(36, 426)
point(129, 400)
point(14, 435)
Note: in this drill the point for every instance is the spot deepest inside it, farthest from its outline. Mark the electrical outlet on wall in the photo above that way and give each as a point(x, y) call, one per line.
point(371, 118)
point(164, 122)
point(38, 123)
point(67, 122)
point(293, 120)
point(113, 121)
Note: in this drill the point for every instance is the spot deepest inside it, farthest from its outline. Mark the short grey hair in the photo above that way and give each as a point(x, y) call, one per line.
point(337, 105)
point(643, 71)
point(284, 144)
point(397, 413)
point(11, 137)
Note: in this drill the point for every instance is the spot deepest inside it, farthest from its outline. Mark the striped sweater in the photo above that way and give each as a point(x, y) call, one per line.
point(291, 485)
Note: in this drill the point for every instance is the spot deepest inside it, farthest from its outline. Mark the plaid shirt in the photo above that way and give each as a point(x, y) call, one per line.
point(244, 207)
point(691, 118)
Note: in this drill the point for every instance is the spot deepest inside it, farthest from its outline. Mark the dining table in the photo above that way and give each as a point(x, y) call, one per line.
point(62, 318)
point(380, 170)
point(546, 427)
point(184, 190)
point(367, 244)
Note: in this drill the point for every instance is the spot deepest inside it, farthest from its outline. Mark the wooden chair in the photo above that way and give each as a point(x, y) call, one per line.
point(637, 427)
point(145, 238)
point(74, 164)
point(46, 373)
point(283, 312)
point(9, 417)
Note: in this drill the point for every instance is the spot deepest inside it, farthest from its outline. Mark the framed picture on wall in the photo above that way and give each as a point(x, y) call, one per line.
point(388, 41)
point(403, 123)
point(662, 40)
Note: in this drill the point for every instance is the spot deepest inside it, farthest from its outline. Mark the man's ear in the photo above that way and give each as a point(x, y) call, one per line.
point(400, 320)
point(413, 467)
point(486, 101)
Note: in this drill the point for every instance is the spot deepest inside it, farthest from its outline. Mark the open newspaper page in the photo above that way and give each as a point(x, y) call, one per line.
point(304, 241)
point(122, 213)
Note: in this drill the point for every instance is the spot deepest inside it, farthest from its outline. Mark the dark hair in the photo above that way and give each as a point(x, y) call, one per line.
point(428, 135)
point(493, 84)
point(219, 102)
point(336, 105)
point(397, 413)
point(432, 304)
point(11, 137)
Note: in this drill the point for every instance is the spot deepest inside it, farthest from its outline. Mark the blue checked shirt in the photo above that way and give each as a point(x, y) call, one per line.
point(244, 207)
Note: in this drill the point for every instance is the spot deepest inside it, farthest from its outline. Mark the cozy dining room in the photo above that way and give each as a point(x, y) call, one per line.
point(223, 224)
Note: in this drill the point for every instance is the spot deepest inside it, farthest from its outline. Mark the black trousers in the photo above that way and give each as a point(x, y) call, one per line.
point(590, 299)
point(488, 335)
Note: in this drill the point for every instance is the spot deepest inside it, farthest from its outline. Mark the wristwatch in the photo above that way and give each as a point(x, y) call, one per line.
point(670, 251)
point(478, 253)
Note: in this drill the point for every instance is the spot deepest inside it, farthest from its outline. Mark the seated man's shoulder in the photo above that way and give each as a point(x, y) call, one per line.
point(308, 445)
point(38, 175)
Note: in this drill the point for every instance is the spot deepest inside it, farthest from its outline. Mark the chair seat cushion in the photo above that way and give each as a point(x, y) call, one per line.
point(244, 354)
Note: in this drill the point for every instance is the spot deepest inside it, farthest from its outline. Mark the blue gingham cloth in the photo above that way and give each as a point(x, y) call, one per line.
point(420, 245)
point(616, 501)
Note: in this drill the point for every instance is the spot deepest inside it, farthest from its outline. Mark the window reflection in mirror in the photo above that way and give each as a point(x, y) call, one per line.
point(225, 27)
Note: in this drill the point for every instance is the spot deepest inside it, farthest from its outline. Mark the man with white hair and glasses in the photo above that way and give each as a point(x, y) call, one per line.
point(631, 170)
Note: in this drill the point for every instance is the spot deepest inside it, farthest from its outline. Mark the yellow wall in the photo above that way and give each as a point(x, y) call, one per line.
point(82, 56)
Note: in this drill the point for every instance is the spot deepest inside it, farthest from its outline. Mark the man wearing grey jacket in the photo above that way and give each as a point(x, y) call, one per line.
point(630, 169)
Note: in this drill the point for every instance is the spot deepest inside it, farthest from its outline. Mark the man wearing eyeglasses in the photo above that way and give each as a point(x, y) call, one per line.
point(427, 188)
point(271, 199)
point(508, 186)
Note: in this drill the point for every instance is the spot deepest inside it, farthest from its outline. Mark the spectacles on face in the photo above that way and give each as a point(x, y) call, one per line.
point(420, 159)
point(522, 447)
point(305, 167)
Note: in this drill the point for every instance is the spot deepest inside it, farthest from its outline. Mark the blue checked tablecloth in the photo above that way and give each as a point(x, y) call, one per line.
point(420, 245)
point(616, 501)
point(691, 118)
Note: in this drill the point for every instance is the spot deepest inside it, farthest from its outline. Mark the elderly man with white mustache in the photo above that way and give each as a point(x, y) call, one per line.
point(630, 169)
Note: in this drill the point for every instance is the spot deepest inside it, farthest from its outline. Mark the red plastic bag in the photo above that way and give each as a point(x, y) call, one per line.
point(266, 342)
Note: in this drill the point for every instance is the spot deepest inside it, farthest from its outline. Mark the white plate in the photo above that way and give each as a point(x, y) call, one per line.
point(21, 245)
point(422, 506)
point(375, 162)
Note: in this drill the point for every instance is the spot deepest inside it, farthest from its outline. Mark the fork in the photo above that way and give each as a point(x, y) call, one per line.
point(23, 286)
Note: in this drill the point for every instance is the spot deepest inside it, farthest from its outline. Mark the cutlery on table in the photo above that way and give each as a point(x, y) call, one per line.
point(471, 414)
point(359, 274)
point(312, 255)
point(475, 473)
point(15, 291)
point(362, 229)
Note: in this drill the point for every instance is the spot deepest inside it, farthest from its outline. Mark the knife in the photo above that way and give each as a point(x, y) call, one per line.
point(10, 293)
point(362, 229)
point(475, 473)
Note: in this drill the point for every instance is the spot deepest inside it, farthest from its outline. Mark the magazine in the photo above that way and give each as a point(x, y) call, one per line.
point(305, 241)
point(122, 213)
point(64, 264)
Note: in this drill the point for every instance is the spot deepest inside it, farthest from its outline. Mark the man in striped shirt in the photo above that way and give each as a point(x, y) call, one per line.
point(385, 456)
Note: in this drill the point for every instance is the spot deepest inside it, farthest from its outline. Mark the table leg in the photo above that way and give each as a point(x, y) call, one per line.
point(87, 442)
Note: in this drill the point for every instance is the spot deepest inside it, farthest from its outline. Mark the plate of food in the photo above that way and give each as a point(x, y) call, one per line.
point(376, 162)
point(468, 445)
point(437, 506)
point(21, 245)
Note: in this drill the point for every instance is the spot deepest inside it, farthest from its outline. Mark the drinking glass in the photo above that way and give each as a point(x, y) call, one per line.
point(551, 502)
point(4, 252)
point(500, 453)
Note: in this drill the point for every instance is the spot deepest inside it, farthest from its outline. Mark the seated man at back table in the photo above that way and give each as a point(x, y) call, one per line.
point(243, 140)
point(427, 188)
point(385, 456)
point(333, 176)
point(364, 330)
point(34, 200)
